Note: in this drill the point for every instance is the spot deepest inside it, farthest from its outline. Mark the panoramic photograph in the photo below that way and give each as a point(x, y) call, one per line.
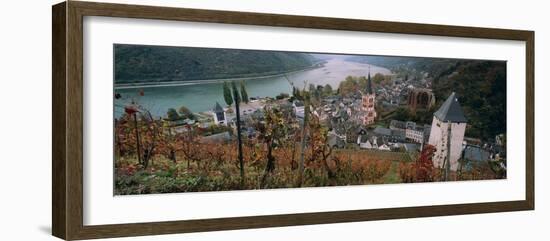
point(189, 119)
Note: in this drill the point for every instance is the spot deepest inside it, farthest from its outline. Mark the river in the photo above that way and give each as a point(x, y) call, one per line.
point(200, 97)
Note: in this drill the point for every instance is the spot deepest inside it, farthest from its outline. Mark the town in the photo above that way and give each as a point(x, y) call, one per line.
point(361, 119)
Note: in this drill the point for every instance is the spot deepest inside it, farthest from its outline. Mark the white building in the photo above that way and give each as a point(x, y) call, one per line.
point(412, 131)
point(299, 108)
point(384, 147)
point(219, 114)
point(415, 134)
point(448, 120)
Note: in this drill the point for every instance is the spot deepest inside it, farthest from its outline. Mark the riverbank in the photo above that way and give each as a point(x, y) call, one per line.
point(209, 81)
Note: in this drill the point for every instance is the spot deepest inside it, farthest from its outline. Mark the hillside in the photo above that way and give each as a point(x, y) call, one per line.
point(136, 63)
point(481, 87)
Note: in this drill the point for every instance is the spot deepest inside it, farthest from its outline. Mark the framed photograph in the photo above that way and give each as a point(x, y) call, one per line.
point(171, 120)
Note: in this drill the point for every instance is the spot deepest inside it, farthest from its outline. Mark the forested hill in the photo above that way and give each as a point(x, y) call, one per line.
point(410, 65)
point(137, 63)
point(480, 86)
point(382, 61)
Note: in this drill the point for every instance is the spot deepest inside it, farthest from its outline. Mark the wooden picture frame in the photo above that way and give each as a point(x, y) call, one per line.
point(67, 137)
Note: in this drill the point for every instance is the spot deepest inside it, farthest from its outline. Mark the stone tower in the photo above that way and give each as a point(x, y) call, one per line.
point(447, 133)
point(368, 103)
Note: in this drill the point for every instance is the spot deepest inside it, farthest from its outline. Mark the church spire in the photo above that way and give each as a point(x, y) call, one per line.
point(369, 84)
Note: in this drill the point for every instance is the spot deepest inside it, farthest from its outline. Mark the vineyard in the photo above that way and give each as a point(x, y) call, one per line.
point(215, 167)
point(188, 162)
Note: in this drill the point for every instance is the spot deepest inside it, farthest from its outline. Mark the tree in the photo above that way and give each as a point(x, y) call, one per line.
point(150, 139)
point(422, 170)
point(327, 90)
point(295, 93)
point(272, 131)
point(185, 112)
point(378, 78)
point(348, 86)
point(305, 97)
point(244, 94)
point(237, 99)
point(236, 95)
point(424, 165)
point(314, 95)
point(282, 96)
point(227, 94)
point(189, 146)
point(146, 133)
point(172, 114)
point(362, 82)
point(168, 144)
point(132, 110)
point(320, 148)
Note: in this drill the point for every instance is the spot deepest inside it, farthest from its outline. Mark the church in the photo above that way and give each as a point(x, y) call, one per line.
point(447, 133)
point(368, 103)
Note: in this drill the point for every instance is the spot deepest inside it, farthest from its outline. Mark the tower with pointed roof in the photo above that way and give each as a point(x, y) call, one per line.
point(447, 133)
point(368, 103)
point(219, 114)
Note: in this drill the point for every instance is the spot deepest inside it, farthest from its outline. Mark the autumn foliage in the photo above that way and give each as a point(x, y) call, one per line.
point(422, 170)
point(186, 160)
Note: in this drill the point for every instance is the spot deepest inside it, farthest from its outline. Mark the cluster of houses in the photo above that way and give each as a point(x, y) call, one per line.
point(352, 120)
point(401, 89)
point(399, 136)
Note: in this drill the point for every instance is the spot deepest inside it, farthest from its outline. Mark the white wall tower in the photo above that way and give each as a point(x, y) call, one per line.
point(448, 120)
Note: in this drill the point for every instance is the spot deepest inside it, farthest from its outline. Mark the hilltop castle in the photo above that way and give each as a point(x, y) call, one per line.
point(447, 133)
point(368, 103)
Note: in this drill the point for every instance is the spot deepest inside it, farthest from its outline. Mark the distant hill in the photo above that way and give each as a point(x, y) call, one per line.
point(137, 63)
point(409, 65)
point(480, 86)
point(382, 61)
